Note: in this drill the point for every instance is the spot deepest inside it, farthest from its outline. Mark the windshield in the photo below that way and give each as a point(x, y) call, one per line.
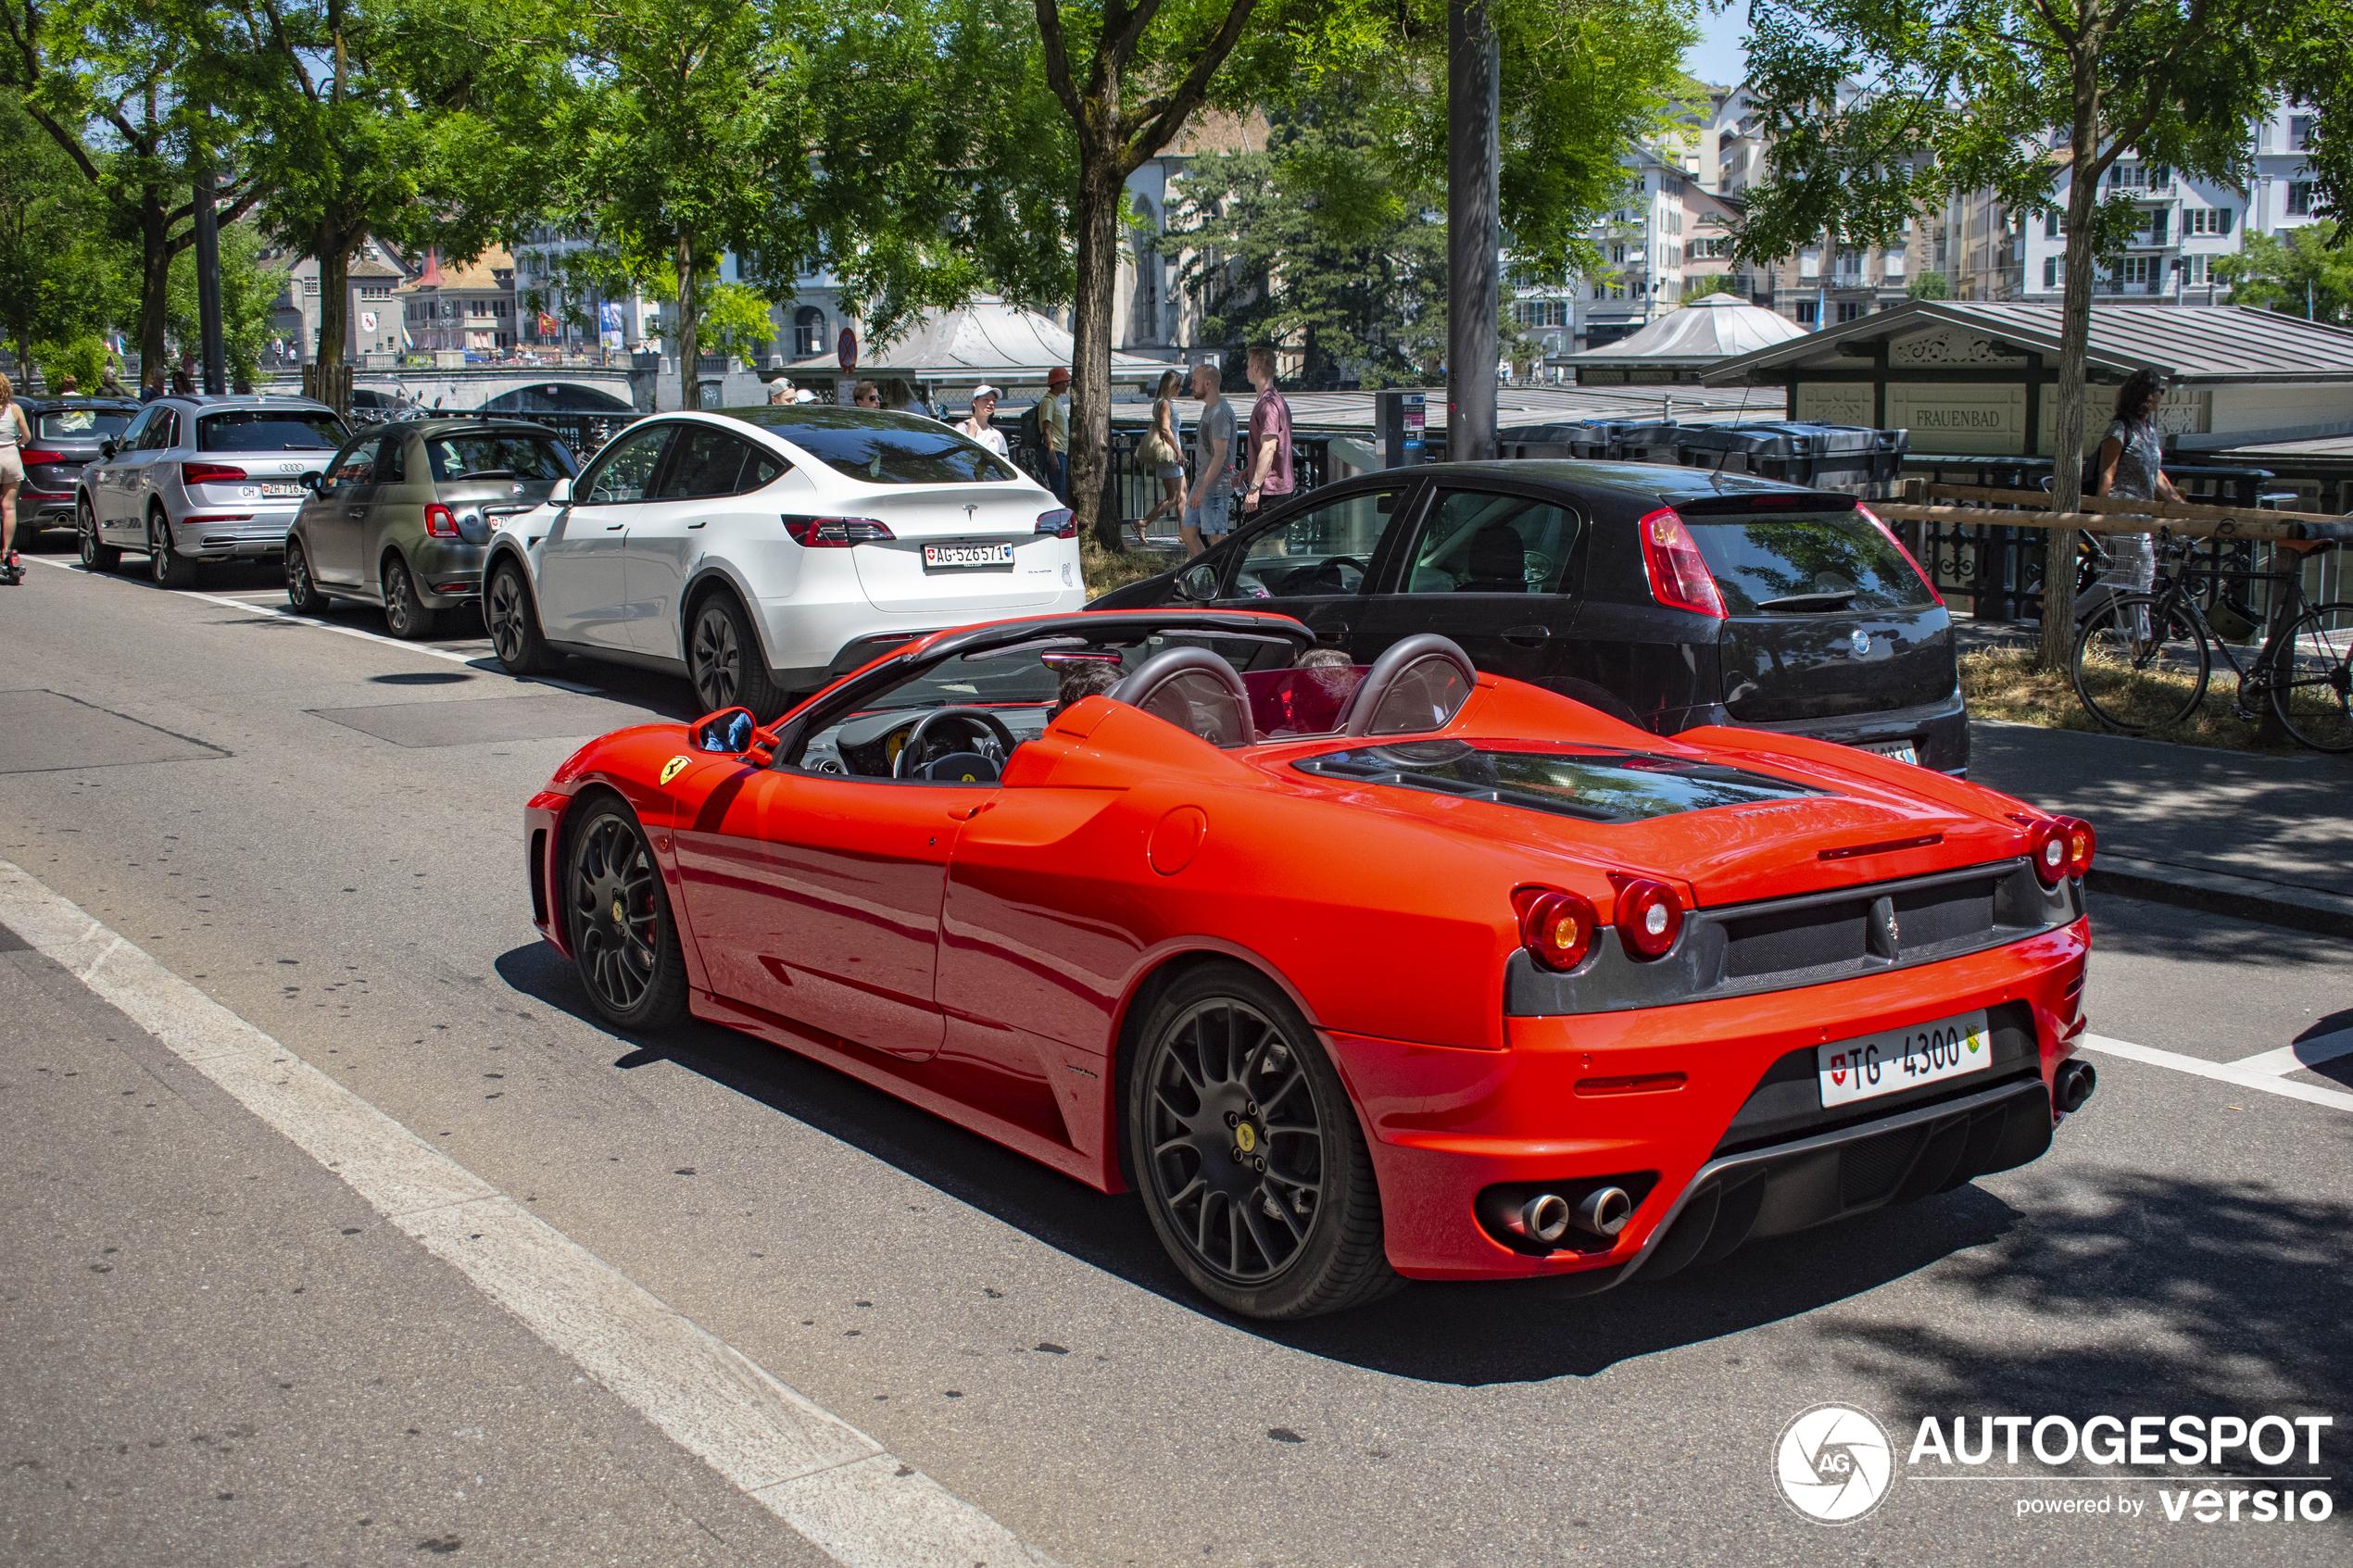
point(1805, 563)
point(877, 448)
point(269, 429)
point(82, 424)
point(1596, 785)
point(526, 457)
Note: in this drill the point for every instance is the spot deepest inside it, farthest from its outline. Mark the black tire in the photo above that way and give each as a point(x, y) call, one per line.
point(404, 614)
point(2138, 668)
point(1222, 1052)
point(725, 660)
point(96, 555)
point(302, 593)
point(624, 942)
point(166, 564)
point(2315, 701)
point(513, 622)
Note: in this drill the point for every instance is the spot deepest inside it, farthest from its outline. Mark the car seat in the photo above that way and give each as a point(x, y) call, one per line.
point(1418, 685)
point(1196, 691)
point(1498, 562)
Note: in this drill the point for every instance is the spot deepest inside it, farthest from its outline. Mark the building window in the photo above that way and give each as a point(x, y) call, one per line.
point(310, 286)
point(1848, 309)
point(808, 331)
point(2299, 198)
point(1809, 312)
point(2050, 271)
point(2196, 270)
point(2138, 271)
point(2299, 133)
point(2206, 220)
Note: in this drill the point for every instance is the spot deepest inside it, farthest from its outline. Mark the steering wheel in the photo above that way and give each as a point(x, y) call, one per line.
point(901, 765)
point(1325, 575)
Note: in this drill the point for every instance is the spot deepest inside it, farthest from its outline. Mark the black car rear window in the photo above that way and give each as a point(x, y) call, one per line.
point(269, 429)
point(525, 458)
point(1804, 563)
point(82, 424)
point(1593, 785)
point(882, 448)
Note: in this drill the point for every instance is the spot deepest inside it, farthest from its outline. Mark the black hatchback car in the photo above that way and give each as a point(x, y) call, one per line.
point(1668, 596)
point(66, 433)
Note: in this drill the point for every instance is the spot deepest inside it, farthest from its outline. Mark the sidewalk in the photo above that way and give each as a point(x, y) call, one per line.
point(2265, 838)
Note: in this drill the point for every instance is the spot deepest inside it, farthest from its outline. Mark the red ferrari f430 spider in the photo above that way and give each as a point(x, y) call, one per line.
point(1358, 974)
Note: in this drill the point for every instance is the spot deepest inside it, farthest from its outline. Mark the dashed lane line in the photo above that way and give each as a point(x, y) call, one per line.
point(2242, 1073)
point(820, 1476)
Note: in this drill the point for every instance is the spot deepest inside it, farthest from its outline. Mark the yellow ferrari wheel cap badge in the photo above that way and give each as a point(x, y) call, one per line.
point(673, 768)
point(620, 913)
point(1246, 1137)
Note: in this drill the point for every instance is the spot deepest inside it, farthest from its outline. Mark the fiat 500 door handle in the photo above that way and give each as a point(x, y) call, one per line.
point(1528, 637)
point(355, 513)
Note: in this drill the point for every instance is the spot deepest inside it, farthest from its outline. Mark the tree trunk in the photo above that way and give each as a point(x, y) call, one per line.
point(685, 338)
point(1090, 473)
point(154, 287)
point(332, 248)
point(2057, 645)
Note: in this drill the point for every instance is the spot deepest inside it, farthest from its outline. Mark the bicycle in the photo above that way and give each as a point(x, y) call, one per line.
point(2143, 661)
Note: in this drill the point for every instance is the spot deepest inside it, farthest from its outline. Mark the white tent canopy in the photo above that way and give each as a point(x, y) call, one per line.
point(1715, 328)
point(987, 341)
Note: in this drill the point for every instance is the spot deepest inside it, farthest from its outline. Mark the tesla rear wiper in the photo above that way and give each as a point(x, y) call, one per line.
point(1835, 600)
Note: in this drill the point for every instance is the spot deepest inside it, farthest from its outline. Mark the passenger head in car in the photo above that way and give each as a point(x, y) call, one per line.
point(1080, 679)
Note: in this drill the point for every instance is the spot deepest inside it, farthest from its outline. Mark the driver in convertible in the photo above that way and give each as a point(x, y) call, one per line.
point(1083, 678)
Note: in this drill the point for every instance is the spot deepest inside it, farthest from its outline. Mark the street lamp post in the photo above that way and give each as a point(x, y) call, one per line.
point(1474, 234)
point(215, 349)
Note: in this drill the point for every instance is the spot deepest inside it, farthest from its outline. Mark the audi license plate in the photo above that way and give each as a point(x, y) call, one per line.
point(282, 490)
point(967, 558)
point(1902, 750)
point(1902, 1058)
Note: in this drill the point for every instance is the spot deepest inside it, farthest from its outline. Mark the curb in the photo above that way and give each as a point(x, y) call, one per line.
point(2272, 903)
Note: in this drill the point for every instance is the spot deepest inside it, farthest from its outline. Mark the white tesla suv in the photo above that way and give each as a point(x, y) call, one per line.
point(760, 552)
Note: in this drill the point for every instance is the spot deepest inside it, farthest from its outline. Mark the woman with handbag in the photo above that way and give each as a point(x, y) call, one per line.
point(1162, 452)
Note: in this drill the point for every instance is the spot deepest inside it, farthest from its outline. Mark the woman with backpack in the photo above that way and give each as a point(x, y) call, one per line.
point(15, 435)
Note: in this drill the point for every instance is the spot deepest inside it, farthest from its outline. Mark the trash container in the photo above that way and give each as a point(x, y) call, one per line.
point(1855, 459)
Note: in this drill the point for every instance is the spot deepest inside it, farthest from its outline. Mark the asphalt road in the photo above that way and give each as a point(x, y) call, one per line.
point(221, 1354)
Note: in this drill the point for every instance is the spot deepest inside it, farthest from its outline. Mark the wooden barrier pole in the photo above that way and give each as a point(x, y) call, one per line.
point(2276, 528)
point(2164, 510)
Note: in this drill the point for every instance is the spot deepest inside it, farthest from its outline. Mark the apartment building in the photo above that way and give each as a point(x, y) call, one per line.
point(371, 316)
point(1832, 280)
point(464, 307)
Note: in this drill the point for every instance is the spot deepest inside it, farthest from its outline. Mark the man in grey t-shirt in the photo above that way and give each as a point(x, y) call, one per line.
point(1211, 501)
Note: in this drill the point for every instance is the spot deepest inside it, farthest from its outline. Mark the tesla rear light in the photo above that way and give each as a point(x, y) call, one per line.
point(440, 521)
point(1901, 550)
point(1649, 917)
point(1556, 928)
point(210, 473)
point(1061, 522)
point(1678, 572)
point(836, 533)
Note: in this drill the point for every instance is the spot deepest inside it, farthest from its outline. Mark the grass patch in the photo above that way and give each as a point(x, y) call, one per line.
point(2004, 684)
point(1107, 570)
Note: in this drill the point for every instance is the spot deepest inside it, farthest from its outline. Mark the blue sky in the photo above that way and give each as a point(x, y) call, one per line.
point(1718, 56)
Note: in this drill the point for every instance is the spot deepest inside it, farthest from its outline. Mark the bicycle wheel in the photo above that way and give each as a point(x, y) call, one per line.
point(2140, 663)
point(2314, 698)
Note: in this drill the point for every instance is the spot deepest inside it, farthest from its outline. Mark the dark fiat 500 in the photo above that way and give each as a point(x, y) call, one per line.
point(1668, 596)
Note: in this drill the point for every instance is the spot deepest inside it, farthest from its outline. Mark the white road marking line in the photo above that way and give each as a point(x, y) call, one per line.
point(820, 1476)
point(2304, 1053)
point(2228, 1071)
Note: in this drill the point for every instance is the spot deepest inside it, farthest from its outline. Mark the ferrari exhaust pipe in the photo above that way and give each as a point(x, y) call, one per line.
point(1544, 1217)
point(1605, 1210)
point(2073, 1083)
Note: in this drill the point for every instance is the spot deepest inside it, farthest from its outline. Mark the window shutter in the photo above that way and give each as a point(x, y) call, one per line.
point(2221, 219)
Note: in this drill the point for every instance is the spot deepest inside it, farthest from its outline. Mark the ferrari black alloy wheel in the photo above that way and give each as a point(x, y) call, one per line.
point(1252, 1165)
point(622, 937)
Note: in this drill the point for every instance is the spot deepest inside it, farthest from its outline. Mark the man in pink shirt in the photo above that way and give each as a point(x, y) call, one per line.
point(1270, 475)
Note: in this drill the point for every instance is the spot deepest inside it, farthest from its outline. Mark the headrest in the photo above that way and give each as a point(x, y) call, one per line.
point(1418, 685)
point(1196, 691)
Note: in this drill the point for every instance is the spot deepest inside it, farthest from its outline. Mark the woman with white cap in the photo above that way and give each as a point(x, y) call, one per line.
point(980, 428)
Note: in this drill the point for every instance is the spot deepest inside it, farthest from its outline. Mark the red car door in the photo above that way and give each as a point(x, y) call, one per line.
point(817, 896)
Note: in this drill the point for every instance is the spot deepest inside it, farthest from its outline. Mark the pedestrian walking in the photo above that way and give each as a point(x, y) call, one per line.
point(901, 395)
point(1053, 432)
point(2130, 466)
point(866, 394)
point(70, 385)
point(183, 383)
point(151, 386)
point(779, 391)
point(1270, 474)
point(980, 426)
point(110, 383)
point(1162, 451)
point(1207, 507)
point(15, 435)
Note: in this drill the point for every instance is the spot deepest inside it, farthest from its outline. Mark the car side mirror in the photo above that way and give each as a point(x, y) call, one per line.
point(728, 732)
point(106, 447)
point(313, 481)
point(560, 493)
point(1197, 583)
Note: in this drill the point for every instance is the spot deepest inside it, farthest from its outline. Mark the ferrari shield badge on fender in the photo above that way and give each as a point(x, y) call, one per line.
point(673, 768)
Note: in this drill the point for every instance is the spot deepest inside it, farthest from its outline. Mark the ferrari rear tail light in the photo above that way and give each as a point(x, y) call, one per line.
point(2081, 842)
point(1061, 522)
point(1677, 573)
point(1649, 917)
point(210, 473)
point(440, 522)
point(1556, 928)
point(2047, 846)
point(1926, 582)
point(836, 533)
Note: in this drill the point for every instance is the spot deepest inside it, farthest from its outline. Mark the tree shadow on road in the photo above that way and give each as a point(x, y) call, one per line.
point(2227, 1264)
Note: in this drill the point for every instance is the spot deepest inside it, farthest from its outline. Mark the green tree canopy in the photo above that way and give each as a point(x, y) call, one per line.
point(2306, 269)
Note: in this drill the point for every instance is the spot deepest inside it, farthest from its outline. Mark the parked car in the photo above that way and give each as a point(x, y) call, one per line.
point(401, 517)
point(762, 551)
point(1359, 974)
point(1666, 597)
point(203, 478)
point(68, 434)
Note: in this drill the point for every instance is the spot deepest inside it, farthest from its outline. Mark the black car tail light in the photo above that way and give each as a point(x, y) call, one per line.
point(1677, 573)
point(1649, 916)
point(836, 533)
point(1556, 928)
point(1926, 582)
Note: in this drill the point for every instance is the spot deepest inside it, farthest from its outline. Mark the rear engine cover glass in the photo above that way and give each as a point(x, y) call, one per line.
point(1596, 785)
